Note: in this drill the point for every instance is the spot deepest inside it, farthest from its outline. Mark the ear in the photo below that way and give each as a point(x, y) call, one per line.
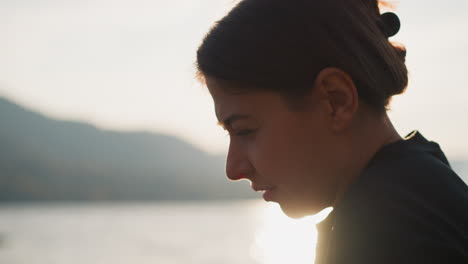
point(340, 96)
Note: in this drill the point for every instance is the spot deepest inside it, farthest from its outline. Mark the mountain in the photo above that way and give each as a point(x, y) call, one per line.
point(46, 159)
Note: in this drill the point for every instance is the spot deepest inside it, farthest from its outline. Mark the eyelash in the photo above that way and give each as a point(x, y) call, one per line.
point(245, 132)
point(241, 133)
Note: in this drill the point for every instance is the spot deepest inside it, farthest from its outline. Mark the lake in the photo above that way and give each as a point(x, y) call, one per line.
point(218, 232)
point(248, 232)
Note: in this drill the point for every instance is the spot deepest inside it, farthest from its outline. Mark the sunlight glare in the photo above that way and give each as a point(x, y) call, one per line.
point(284, 240)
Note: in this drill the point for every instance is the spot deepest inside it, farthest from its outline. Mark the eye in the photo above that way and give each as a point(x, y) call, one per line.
point(245, 132)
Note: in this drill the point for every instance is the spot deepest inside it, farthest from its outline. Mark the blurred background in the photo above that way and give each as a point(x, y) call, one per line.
point(109, 148)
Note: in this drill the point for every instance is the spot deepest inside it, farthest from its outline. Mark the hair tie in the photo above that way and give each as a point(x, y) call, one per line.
point(390, 24)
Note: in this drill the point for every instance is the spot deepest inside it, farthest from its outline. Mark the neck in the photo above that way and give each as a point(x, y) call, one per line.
point(367, 137)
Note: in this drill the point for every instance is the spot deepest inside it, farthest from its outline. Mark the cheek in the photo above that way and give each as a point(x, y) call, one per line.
point(270, 154)
point(298, 158)
point(287, 150)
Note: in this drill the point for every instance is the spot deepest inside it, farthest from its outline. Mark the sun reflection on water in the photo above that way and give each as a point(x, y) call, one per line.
point(281, 239)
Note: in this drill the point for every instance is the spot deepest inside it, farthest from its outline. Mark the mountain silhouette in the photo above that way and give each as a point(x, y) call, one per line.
point(46, 159)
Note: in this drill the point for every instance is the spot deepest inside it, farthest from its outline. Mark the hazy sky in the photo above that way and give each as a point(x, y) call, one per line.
point(129, 65)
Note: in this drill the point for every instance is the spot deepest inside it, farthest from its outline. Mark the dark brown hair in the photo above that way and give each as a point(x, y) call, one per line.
point(281, 45)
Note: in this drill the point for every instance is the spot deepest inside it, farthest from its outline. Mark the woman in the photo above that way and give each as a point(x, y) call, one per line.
point(302, 87)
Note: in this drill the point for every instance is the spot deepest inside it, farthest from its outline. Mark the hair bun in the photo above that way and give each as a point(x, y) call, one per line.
point(389, 24)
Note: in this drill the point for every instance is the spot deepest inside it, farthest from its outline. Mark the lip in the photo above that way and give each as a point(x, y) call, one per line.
point(267, 192)
point(259, 189)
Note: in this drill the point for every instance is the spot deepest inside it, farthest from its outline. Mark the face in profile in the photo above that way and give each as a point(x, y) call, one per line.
point(290, 152)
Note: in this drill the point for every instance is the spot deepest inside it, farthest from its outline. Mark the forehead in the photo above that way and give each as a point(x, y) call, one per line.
point(229, 100)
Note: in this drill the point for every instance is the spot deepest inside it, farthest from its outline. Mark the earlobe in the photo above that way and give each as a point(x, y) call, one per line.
point(340, 93)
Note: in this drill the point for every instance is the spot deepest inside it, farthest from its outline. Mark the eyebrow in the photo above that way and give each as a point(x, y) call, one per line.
point(231, 119)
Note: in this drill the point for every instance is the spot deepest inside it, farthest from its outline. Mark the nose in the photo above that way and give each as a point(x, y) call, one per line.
point(238, 165)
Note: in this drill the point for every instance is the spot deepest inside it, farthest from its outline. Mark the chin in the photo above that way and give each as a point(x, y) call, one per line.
point(297, 212)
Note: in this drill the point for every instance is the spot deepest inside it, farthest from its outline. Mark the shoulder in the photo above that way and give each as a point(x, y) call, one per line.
point(406, 204)
point(412, 172)
point(415, 177)
point(413, 180)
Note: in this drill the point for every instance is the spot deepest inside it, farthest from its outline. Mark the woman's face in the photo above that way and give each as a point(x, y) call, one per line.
point(291, 152)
